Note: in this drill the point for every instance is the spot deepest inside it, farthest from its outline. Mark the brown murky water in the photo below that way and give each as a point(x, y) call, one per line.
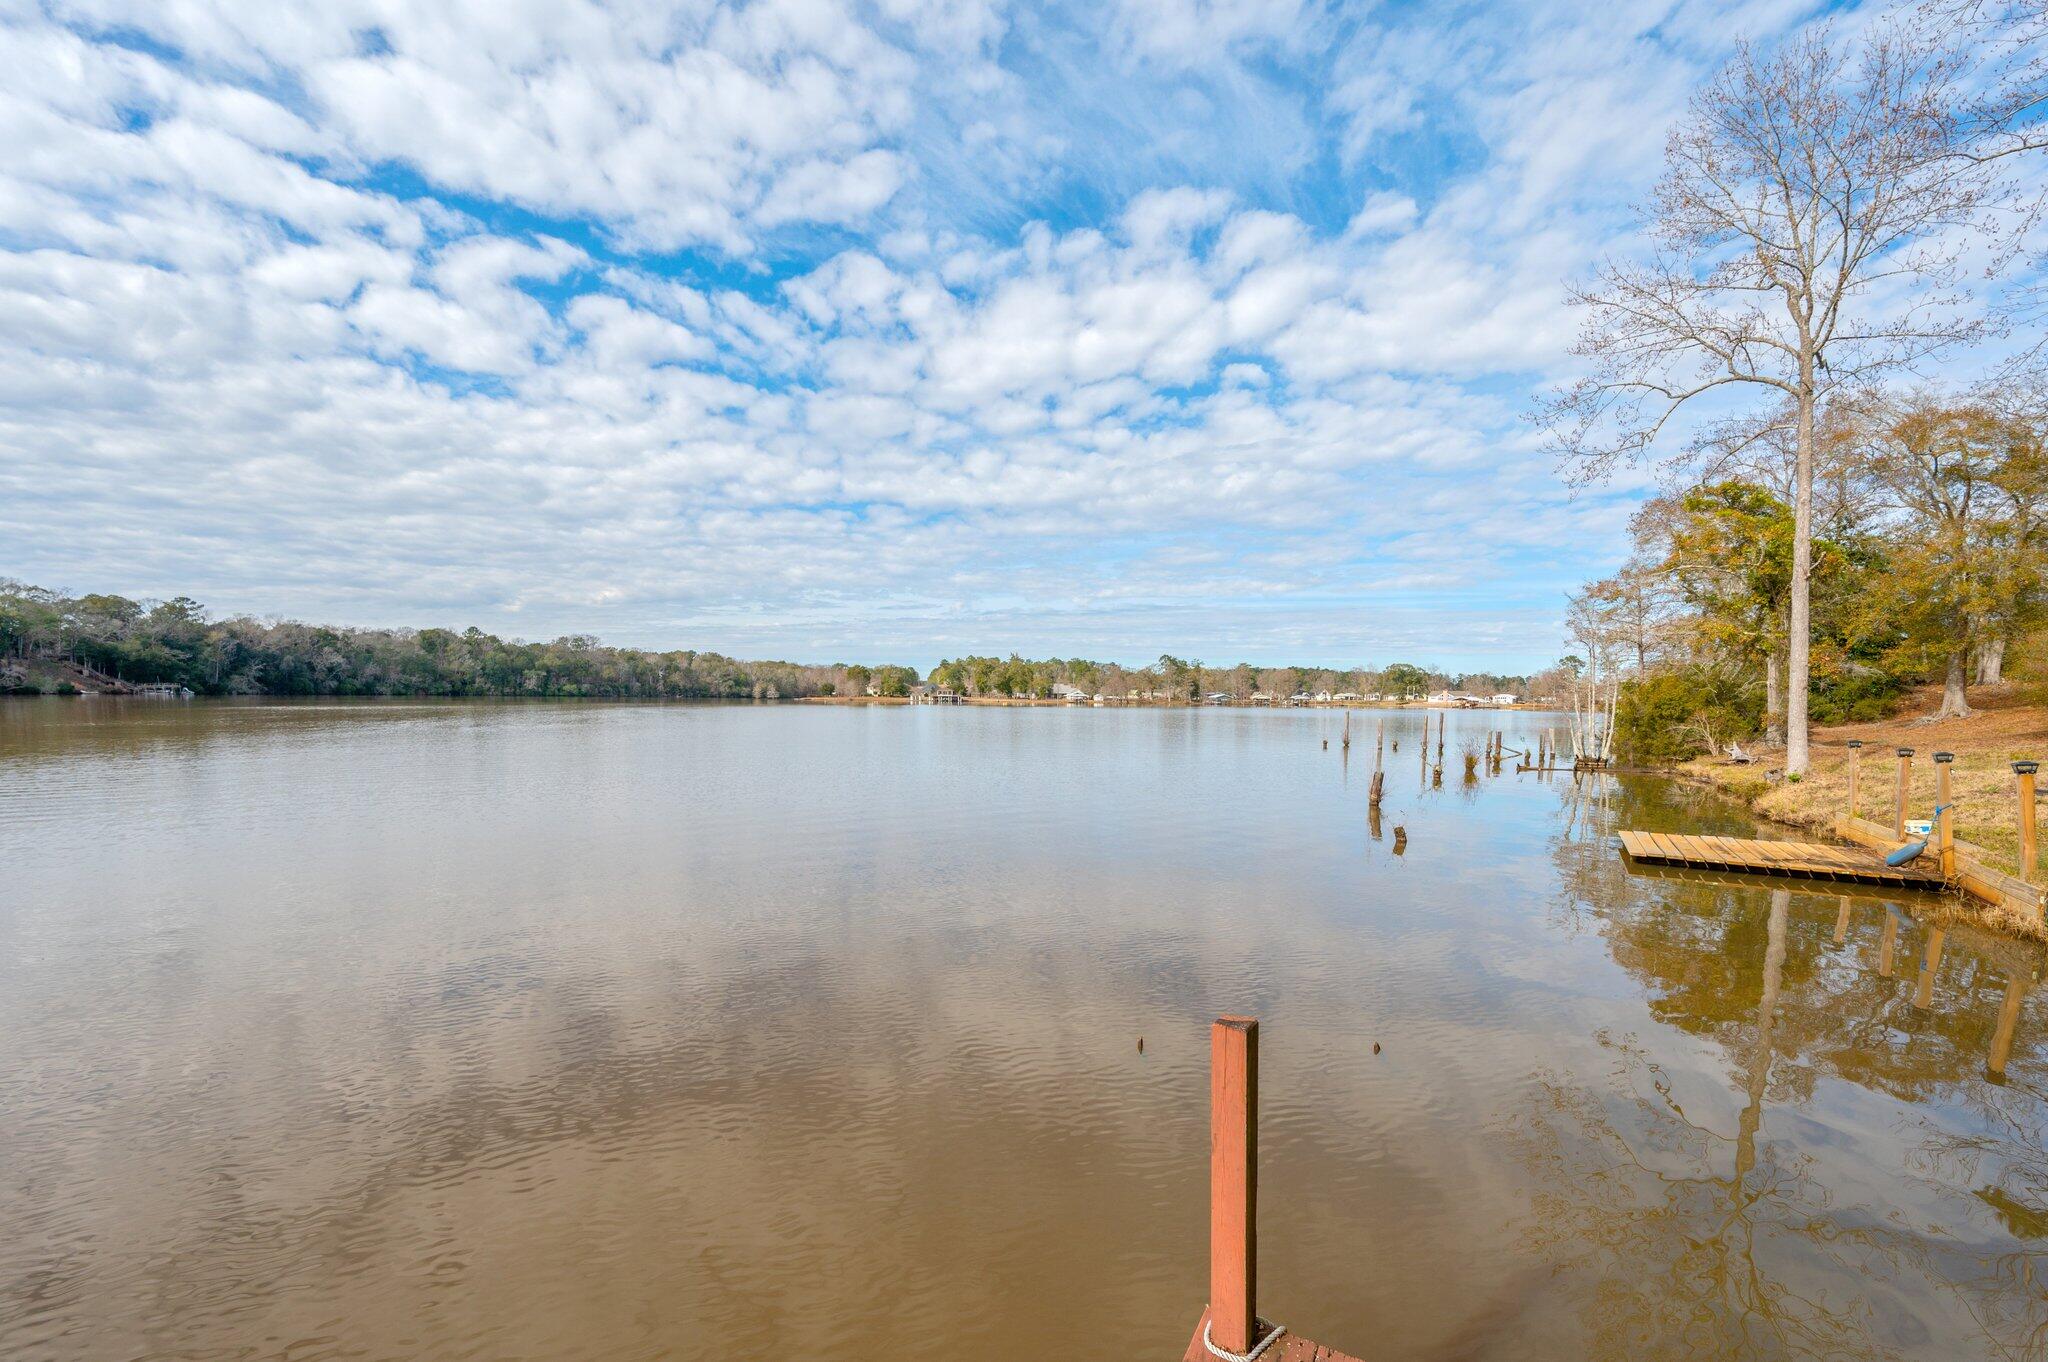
point(580, 1031)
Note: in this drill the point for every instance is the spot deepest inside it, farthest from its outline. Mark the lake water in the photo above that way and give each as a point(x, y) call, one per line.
point(502, 1030)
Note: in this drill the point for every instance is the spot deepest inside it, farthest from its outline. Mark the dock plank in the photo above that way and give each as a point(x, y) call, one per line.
point(1288, 1348)
point(1802, 860)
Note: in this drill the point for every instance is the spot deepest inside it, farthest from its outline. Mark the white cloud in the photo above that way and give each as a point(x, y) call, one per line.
point(649, 318)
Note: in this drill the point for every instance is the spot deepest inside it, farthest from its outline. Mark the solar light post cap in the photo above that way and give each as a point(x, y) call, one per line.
point(1905, 751)
point(1855, 742)
point(2026, 767)
point(1944, 757)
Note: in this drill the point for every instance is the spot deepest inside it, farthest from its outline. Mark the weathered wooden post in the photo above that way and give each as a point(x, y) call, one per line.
point(2025, 771)
point(1855, 769)
point(1944, 815)
point(1842, 921)
point(1233, 1181)
point(1905, 787)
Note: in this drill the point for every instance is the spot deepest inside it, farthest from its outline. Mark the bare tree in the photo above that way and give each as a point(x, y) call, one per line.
point(2005, 107)
point(1805, 235)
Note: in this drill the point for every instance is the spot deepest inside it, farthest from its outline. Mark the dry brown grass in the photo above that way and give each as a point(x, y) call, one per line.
point(1986, 792)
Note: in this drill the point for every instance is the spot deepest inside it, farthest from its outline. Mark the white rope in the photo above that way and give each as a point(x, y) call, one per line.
point(1273, 1331)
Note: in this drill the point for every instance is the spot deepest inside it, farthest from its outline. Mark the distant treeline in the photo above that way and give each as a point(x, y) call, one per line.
point(1178, 679)
point(174, 641)
point(45, 633)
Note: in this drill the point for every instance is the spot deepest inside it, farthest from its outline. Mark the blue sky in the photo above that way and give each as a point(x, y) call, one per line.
point(883, 331)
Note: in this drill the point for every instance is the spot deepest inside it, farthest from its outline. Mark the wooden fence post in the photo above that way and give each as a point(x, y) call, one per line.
point(1855, 769)
point(2025, 771)
point(1944, 817)
point(1233, 1181)
point(1905, 787)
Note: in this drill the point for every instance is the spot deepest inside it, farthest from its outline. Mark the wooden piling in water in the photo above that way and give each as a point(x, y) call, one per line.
point(1905, 790)
point(1233, 1181)
point(1231, 1327)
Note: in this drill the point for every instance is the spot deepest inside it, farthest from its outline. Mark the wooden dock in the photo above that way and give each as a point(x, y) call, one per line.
point(1785, 860)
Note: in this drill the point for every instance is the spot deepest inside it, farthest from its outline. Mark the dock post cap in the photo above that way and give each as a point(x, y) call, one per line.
point(1855, 742)
point(1237, 1022)
point(1944, 757)
point(1905, 751)
point(2026, 766)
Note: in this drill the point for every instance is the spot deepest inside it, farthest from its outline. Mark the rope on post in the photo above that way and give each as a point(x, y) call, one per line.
point(1273, 1331)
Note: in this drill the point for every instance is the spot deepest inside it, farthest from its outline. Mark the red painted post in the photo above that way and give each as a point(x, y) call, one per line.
point(1233, 1180)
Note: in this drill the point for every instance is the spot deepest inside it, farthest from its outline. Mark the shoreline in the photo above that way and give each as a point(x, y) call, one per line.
point(1984, 788)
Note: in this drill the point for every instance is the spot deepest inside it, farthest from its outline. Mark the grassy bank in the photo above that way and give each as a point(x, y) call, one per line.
point(1985, 790)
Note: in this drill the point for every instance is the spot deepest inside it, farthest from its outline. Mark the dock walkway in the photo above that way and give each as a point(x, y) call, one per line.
point(1794, 860)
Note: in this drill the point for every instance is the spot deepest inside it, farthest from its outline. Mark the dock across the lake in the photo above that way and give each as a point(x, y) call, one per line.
point(1795, 860)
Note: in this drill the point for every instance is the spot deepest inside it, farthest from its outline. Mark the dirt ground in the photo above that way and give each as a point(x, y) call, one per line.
point(2005, 728)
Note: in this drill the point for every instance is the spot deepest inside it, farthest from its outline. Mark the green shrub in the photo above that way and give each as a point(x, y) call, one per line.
point(1855, 698)
point(1676, 715)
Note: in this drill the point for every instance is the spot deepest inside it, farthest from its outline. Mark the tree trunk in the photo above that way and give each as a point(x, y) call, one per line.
point(1991, 662)
point(1798, 663)
point(1955, 704)
point(1774, 701)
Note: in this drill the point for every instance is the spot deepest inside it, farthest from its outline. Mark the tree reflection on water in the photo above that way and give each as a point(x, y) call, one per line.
point(1693, 1227)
